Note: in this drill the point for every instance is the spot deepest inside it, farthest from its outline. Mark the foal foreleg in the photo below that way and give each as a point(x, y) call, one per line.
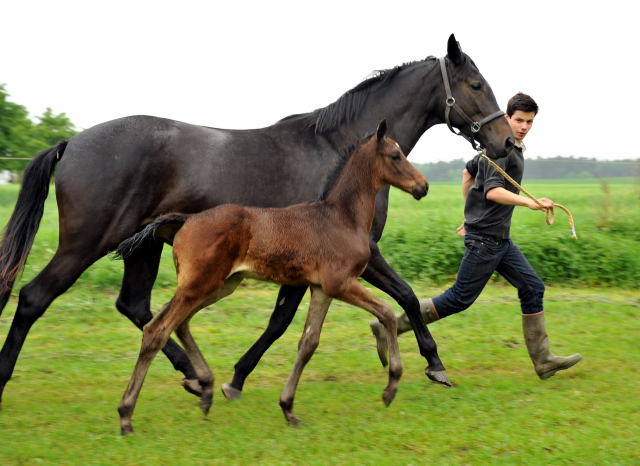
point(356, 294)
point(380, 274)
point(308, 343)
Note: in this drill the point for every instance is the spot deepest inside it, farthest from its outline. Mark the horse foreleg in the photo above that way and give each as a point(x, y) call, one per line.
point(308, 343)
point(134, 302)
point(380, 274)
point(287, 304)
point(354, 293)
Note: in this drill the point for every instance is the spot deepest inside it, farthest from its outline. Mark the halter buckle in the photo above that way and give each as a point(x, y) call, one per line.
point(475, 127)
point(450, 101)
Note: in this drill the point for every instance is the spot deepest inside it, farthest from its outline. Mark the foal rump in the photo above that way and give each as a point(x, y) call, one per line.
point(164, 228)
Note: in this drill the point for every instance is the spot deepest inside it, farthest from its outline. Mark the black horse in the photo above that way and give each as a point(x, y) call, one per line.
point(113, 178)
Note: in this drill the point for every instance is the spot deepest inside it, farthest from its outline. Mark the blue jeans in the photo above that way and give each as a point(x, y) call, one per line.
point(484, 255)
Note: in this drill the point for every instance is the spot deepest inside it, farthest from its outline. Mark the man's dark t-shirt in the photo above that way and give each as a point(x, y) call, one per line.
point(483, 216)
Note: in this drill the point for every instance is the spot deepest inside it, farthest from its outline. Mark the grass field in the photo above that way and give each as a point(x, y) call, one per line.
point(60, 406)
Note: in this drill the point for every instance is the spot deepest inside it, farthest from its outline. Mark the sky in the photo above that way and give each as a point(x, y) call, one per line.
point(248, 64)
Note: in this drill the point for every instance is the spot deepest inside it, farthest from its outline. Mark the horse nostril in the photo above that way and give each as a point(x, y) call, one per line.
point(509, 142)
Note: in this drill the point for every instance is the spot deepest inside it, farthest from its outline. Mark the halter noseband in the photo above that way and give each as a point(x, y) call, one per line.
point(475, 126)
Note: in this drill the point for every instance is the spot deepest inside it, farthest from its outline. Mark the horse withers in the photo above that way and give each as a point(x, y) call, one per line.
point(324, 244)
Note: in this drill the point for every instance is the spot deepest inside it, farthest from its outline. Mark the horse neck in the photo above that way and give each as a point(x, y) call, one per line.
point(354, 194)
point(409, 117)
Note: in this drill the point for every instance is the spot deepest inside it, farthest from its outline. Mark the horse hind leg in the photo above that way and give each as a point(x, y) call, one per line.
point(134, 302)
point(62, 271)
point(308, 343)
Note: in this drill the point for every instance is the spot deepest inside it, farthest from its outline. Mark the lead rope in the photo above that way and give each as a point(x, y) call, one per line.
point(549, 211)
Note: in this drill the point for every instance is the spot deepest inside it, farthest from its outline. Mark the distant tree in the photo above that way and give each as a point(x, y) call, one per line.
point(21, 137)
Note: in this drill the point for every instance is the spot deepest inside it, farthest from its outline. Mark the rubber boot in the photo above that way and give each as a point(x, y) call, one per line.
point(535, 336)
point(429, 315)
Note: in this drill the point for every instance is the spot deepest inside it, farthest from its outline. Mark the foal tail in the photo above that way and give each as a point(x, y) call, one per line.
point(164, 227)
point(25, 220)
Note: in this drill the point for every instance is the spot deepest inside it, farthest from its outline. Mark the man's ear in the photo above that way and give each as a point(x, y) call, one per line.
point(454, 52)
point(382, 129)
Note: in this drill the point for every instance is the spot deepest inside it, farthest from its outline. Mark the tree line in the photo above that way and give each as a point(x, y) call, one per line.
point(544, 168)
point(20, 136)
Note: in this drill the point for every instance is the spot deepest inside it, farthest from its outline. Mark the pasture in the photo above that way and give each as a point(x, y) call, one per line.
point(60, 406)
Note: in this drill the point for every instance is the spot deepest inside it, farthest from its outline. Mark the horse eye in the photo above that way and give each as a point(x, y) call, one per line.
point(476, 86)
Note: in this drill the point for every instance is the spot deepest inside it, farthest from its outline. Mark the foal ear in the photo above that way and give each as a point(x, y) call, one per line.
point(454, 52)
point(382, 129)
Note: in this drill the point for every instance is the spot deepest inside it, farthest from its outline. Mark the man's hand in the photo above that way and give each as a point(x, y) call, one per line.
point(460, 231)
point(546, 204)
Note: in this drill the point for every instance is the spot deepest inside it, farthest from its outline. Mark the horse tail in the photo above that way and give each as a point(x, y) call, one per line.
point(164, 227)
point(25, 220)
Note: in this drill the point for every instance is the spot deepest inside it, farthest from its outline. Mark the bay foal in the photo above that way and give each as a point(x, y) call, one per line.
point(324, 244)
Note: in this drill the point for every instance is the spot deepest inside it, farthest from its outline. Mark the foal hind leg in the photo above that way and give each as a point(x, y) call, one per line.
point(308, 343)
point(134, 302)
point(204, 374)
point(289, 298)
point(61, 272)
point(354, 293)
point(154, 336)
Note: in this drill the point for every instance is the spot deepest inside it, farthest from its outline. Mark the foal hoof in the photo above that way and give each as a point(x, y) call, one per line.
point(192, 386)
point(382, 345)
point(388, 395)
point(292, 420)
point(126, 429)
point(230, 393)
point(205, 404)
point(438, 376)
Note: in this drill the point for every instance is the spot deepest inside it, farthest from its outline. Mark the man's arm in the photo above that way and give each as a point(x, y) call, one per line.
point(505, 197)
point(467, 182)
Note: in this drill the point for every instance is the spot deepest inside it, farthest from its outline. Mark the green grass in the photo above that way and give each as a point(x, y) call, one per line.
point(60, 406)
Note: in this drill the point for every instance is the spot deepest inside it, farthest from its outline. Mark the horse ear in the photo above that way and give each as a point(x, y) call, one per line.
point(382, 129)
point(454, 52)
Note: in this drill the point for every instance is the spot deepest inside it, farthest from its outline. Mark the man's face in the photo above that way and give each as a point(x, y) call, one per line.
point(520, 123)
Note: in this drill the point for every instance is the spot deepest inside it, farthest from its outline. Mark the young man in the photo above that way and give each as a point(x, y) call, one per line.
point(489, 204)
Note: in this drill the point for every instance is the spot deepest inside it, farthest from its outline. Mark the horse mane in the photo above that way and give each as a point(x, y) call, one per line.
point(350, 104)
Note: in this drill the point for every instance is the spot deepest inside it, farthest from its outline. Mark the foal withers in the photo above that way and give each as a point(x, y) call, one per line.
point(324, 244)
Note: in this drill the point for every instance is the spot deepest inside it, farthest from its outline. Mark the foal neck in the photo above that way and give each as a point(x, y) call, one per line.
point(354, 193)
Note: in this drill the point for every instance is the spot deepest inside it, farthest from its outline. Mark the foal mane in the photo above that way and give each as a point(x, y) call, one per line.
point(350, 104)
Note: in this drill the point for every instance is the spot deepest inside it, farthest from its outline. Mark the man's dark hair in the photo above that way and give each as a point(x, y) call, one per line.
point(522, 102)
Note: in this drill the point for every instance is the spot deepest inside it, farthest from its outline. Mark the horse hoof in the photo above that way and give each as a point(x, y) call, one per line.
point(382, 345)
point(438, 376)
point(230, 393)
point(388, 395)
point(192, 386)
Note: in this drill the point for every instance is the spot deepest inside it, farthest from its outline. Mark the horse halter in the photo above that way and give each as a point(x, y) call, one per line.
point(475, 126)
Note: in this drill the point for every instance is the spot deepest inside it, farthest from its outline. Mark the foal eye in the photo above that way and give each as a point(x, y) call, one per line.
point(395, 156)
point(476, 86)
